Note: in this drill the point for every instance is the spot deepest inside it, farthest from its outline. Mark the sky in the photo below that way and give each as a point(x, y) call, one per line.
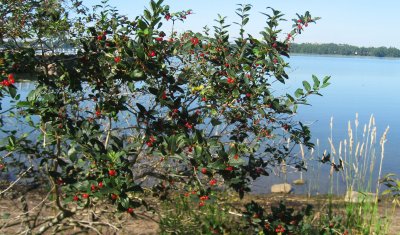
point(354, 22)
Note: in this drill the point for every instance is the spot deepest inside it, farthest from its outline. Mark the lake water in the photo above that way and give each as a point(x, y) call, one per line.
point(360, 85)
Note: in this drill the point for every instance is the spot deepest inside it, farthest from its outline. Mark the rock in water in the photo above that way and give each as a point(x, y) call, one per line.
point(281, 188)
point(299, 182)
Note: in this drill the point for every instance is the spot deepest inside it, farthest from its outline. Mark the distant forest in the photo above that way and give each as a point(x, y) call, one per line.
point(343, 49)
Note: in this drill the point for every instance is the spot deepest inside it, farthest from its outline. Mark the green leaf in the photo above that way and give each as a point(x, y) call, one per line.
point(141, 108)
point(316, 82)
point(215, 122)
point(307, 86)
point(299, 92)
point(326, 79)
point(325, 85)
point(236, 93)
point(137, 75)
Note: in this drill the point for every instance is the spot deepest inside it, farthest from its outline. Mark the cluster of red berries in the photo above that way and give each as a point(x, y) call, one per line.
point(300, 23)
point(280, 229)
point(151, 141)
point(94, 187)
point(84, 195)
point(202, 200)
point(213, 182)
point(101, 36)
point(194, 41)
point(9, 81)
point(182, 15)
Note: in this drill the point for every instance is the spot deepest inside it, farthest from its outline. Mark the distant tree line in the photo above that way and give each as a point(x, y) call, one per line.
point(344, 49)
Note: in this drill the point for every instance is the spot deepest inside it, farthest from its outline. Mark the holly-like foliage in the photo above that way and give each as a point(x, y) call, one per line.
point(140, 111)
point(281, 220)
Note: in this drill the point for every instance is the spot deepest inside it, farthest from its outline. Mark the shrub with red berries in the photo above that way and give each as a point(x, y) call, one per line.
point(137, 109)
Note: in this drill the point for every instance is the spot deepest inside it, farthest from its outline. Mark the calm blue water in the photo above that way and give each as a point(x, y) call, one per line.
point(358, 85)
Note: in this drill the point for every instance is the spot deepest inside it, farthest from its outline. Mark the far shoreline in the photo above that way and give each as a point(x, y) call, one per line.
point(345, 56)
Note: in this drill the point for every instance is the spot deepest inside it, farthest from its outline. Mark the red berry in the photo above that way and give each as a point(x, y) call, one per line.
point(112, 172)
point(100, 37)
point(190, 149)
point(98, 113)
point(188, 125)
point(114, 197)
point(275, 60)
point(159, 39)
point(167, 16)
point(204, 99)
point(75, 198)
point(85, 195)
point(236, 157)
point(5, 83)
point(274, 45)
point(130, 210)
point(11, 78)
point(194, 41)
point(164, 95)
point(100, 184)
point(213, 182)
point(201, 204)
point(152, 53)
point(248, 95)
point(204, 170)
point(93, 187)
point(117, 59)
point(230, 80)
point(229, 168)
